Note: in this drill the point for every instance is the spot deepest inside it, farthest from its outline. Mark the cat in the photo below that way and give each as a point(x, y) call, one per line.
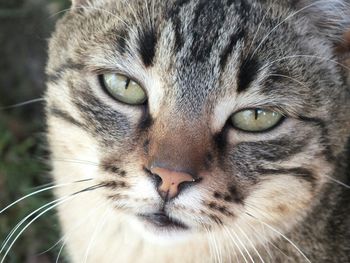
point(201, 131)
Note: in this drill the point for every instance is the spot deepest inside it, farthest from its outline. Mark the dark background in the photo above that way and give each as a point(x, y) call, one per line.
point(25, 26)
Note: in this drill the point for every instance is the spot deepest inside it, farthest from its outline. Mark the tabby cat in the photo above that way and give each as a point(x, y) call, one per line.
point(202, 130)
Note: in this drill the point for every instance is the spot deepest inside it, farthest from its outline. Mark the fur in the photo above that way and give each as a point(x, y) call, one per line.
point(270, 196)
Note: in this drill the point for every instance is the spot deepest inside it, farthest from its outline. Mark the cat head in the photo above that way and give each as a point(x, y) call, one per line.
point(198, 115)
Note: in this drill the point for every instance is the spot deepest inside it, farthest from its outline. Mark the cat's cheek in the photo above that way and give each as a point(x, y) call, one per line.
point(280, 201)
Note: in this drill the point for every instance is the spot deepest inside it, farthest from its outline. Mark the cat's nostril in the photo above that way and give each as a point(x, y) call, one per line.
point(172, 182)
point(156, 179)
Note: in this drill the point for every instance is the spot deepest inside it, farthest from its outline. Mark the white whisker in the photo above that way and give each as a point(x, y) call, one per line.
point(293, 79)
point(53, 203)
point(242, 244)
point(283, 236)
point(40, 191)
point(283, 21)
point(338, 182)
point(76, 226)
point(22, 104)
point(234, 241)
point(57, 203)
point(99, 226)
point(251, 243)
point(305, 56)
point(258, 29)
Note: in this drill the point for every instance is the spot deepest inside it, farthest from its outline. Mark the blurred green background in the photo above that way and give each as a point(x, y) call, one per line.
point(25, 26)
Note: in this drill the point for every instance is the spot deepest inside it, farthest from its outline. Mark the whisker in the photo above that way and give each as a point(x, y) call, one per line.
point(213, 246)
point(209, 242)
point(34, 219)
point(306, 56)
point(59, 12)
point(283, 21)
point(60, 251)
point(251, 243)
point(262, 241)
point(245, 249)
point(258, 29)
point(53, 204)
point(338, 182)
point(28, 102)
point(98, 227)
point(293, 79)
point(66, 236)
point(234, 241)
point(40, 191)
point(283, 236)
point(110, 13)
point(77, 161)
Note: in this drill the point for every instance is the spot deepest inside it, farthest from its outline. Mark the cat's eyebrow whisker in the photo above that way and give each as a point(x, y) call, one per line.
point(40, 191)
point(283, 21)
point(281, 235)
point(17, 105)
point(258, 30)
point(304, 56)
point(291, 78)
point(51, 205)
point(138, 22)
point(110, 13)
point(98, 227)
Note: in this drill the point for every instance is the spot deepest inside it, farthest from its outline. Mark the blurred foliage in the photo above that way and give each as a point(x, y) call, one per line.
point(25, 26)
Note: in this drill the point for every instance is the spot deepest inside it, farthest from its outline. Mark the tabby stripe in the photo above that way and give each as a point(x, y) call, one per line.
point(303, 173)
point(102, 119)
point(324, 136)
point(69, 65)
point(173, 16)
point(147, 46)
point(202, 46)
point(247, 73)
point(272, 150)
point(229, 48)
point(58, 113)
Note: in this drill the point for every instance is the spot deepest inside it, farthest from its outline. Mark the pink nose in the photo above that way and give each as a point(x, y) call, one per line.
point(171, 180)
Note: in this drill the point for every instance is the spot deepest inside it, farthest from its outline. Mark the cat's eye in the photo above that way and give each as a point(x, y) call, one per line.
point(124, 89)
point(256, 120)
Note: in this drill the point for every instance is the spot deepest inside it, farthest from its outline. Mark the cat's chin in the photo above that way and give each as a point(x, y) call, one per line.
point(160, 229)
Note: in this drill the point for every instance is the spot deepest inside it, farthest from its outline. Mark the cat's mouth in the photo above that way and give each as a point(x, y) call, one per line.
point(162, 221)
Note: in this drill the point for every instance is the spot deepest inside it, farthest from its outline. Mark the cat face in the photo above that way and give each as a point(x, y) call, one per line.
point(226, 121)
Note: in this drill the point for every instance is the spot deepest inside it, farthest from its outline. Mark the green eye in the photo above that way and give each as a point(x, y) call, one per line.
point(124, 89)
point(256, 120)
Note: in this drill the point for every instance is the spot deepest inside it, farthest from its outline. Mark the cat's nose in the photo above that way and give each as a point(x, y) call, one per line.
point(171, 181)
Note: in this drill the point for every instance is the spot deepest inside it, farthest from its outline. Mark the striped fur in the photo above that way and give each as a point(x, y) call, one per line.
point(261, 194)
